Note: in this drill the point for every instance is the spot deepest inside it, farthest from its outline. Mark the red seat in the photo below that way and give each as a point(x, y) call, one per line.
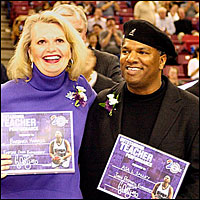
point(180, 47)
point(116, 19)
point(93, 2)
point(19, 10)
point(19, 3)
point(122, 4)
point(120, 27)
point(174, 39)
point(183, 59)
point(125, 12)
point(190, 40)
point(37, 3)
point(195, 21)
point(127, 18)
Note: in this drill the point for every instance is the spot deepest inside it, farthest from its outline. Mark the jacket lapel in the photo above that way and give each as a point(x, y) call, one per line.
point(169, 111)
point(116, 117)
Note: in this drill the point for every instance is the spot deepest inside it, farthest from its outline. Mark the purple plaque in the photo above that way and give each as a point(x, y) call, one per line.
point(38, 142)
point(138, 171)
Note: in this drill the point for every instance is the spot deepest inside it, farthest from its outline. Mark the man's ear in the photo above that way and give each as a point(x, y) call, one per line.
point(163, 60)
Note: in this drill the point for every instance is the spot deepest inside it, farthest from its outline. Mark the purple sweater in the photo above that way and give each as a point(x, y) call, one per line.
point(44, 93)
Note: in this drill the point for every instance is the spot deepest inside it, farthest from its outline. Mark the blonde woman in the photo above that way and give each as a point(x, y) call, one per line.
point(46, 67)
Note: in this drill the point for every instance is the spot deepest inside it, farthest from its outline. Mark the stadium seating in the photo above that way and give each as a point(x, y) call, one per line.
point(190, 40)
point(19, 10)
point(37, 3)
point(174, 39)
point(19, 3)
point(122, 4)
point(195, 22)
point(183, 59)
point(127, 12)
point(120, 27)
point(181, 73)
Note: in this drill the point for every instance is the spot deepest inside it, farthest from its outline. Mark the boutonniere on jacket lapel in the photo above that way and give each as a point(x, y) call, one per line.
point(78, 96)
point(110, 103)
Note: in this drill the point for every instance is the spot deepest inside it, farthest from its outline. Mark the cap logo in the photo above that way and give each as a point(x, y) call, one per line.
point(132, 32)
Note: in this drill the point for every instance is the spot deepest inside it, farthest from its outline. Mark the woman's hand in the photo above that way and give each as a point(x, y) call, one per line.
point(5, 162)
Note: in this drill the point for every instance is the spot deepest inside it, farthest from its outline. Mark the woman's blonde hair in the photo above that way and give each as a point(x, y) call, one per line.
point(20, 64)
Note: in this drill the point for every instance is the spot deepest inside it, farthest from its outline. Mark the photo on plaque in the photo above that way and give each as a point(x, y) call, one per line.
point(38, 142)
point(138, 171)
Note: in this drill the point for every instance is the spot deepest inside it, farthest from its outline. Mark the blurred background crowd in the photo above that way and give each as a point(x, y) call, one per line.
point(179, 19)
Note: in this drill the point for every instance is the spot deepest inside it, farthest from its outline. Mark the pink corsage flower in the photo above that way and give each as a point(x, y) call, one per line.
point(78, 96)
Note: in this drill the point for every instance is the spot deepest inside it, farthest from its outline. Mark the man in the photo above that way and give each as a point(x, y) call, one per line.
point(149, 109)
point(165, 23)
point(173, 13)
point(88, 7)
point(145, 10)
point(96, 29)
point(60, 151)
point(97, 19)
point(163, 190)
point(191, 8)
point(183, 25)
point(111, 39)
point(108, 7)
point(106, 71)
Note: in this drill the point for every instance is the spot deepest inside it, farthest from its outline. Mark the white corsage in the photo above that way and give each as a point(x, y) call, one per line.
point(110, 103)
point(78, 96)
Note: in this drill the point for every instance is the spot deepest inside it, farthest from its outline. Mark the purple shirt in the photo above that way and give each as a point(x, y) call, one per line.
point(45, 93)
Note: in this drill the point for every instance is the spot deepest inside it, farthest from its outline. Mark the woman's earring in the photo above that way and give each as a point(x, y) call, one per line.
point(70, 63)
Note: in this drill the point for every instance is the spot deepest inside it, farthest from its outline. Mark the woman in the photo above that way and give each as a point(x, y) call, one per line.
point(44, 73)
point(93, 41)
